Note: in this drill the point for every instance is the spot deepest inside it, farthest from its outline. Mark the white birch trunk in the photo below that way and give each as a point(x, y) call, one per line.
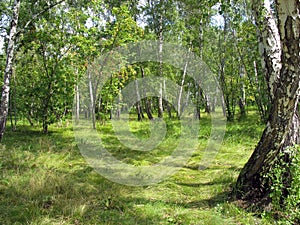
point(92, 101)
point(8, 67)
point(179, 108)
point(269, 43)
point(282, 128)
point(160, 51)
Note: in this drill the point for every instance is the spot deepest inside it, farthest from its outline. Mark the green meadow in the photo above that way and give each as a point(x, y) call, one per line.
point(44, 179)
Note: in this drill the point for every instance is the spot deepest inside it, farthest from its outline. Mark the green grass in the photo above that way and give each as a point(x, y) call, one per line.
point(45, 180)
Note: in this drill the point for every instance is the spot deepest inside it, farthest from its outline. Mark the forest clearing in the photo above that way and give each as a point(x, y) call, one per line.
point(150, 112)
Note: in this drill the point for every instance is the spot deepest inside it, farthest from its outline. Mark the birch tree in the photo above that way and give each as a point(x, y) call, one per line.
point(10, 53)
point(279, 36)
point(9, 66)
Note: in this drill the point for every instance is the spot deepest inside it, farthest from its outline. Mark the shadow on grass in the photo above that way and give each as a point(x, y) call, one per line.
point(45, 180)
point(211, 202)
point(83, 197)
point(246, 129)
point(196, 167)
point(46, 196)
point(217, 182)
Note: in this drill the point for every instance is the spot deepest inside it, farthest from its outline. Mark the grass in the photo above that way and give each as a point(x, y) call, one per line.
point(45, 180)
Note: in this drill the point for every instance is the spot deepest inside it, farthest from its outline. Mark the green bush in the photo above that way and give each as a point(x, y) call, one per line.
point(285, 188)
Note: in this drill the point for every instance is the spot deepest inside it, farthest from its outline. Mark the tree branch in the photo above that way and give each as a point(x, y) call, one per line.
point(38, 14)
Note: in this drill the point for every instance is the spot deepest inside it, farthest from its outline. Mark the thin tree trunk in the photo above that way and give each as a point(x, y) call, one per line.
point(198, 102)
point(12, 105)
point(179, 107)
point(166, 103)
point(187, 100)
point(242, 71)
point(92, 102)
point(15, 104)
point(147, 101)
point(242, 107)
point(207, 100)
point(223, 106)
point(77, 98)
point(201, 95)
point(10, 113)
point(8, 67)
point(201, 40)
point(160, 51)
point(118, 110)
point(46, 107)
point(242, 98)
point(148, 110)
point(224, 85)
point(258, 99)
point(138, 104)
point(98, 108)
point(28, 117)
point(160, 101)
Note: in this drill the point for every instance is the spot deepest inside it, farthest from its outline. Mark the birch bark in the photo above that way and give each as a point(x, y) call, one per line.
point(8, 67)
point(282, 74)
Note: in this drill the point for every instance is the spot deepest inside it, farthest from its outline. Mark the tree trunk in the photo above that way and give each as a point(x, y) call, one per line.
point(138, 104)
point(207, 101)
point(160, 101)
point(45, 126)
point(243, 72)
point(258, 97)
point(147, 100)
point(92, 103)
point(198, 102)
point(77, 98)
point(13, 106)
point(282, 128)
point(242, 98)
point(187, 100)
point(98, 108)
point(8, 67)
point(269, 43)
point(179, 107)
point(148, 109)
point(160, 51)
point(222, 69)
point(166, 104)
point(118, 106)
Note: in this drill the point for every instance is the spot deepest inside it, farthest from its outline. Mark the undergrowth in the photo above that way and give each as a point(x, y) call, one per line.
point(285, 189)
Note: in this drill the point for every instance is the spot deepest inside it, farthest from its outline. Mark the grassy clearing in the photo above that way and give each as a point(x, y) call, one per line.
point(45, 180)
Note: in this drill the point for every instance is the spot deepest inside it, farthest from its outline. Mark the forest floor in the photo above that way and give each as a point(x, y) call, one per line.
point(44, 179)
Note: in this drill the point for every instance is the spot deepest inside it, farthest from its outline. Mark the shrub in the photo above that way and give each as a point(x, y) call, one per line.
point(285, 187)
